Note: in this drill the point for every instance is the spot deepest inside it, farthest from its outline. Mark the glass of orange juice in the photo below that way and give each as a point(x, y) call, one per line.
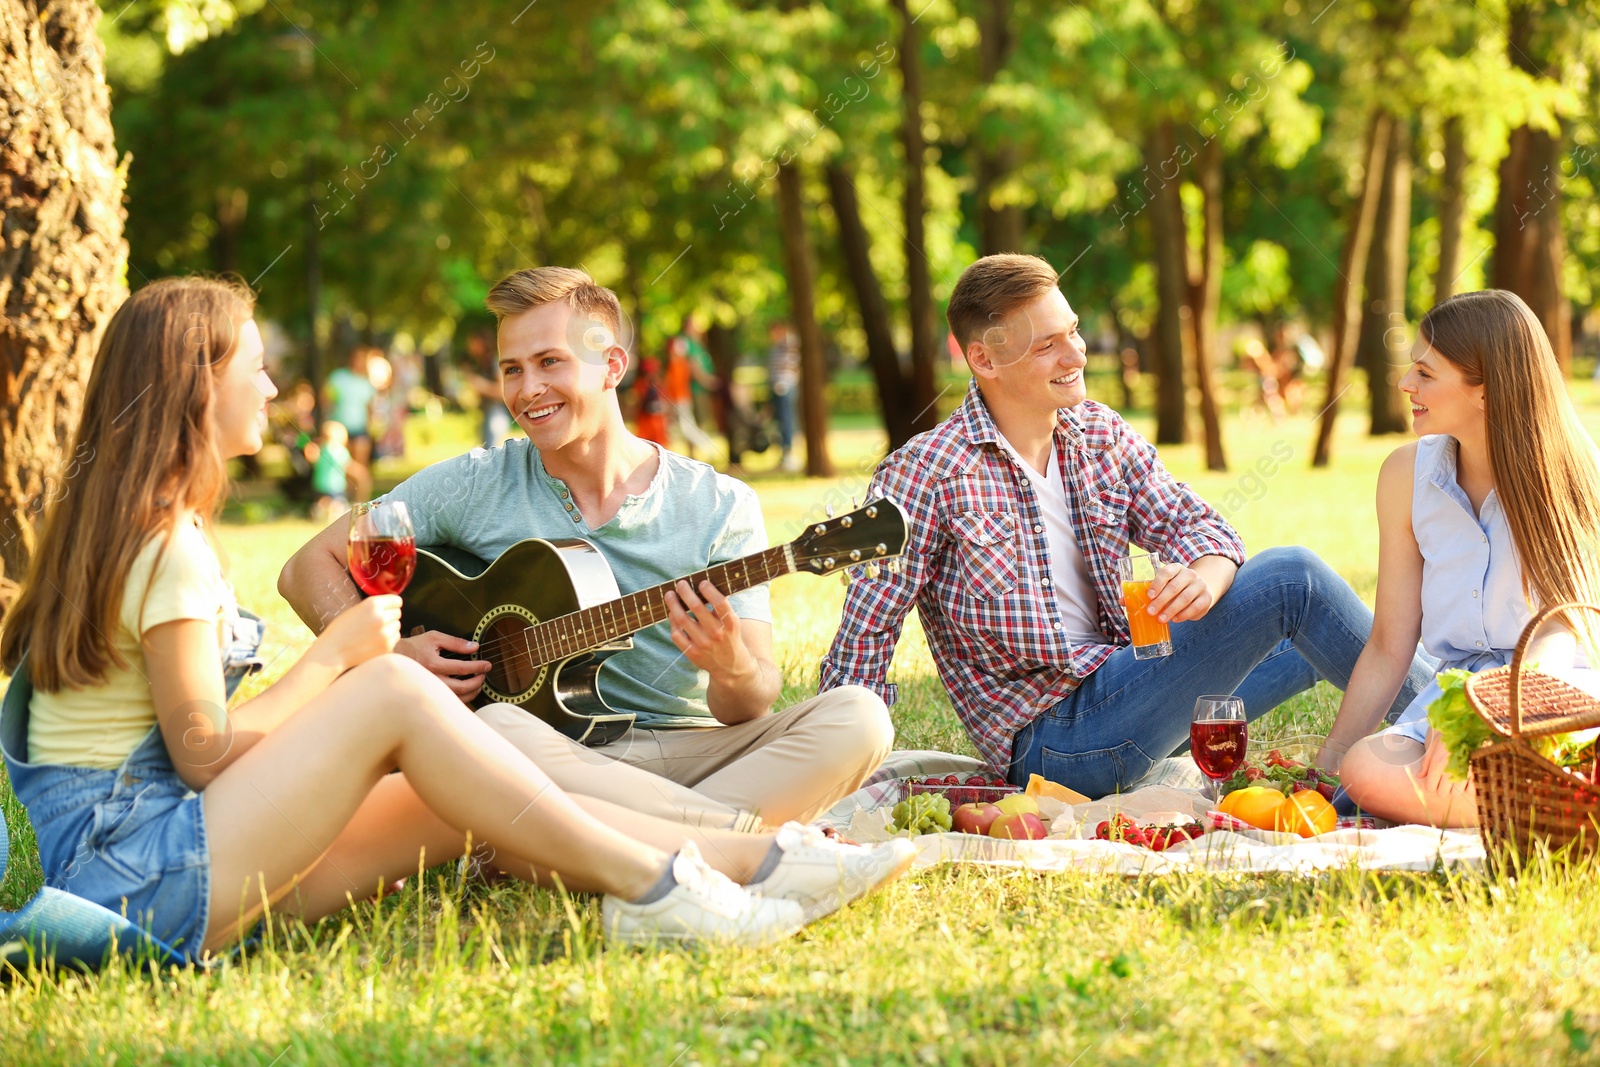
point(1151, 636)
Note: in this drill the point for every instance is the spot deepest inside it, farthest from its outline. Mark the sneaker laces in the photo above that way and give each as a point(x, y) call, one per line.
point(711, 887)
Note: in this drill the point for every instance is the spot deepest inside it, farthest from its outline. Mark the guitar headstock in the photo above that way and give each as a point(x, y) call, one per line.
point(874, 532)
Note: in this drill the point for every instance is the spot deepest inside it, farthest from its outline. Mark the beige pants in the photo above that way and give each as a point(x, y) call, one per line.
point(793, 764)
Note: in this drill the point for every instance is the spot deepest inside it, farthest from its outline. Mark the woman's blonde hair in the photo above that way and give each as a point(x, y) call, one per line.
point(1542, 459)
point(144, 453)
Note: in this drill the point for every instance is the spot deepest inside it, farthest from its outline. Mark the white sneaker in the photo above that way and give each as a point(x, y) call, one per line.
point(705, 907)
point(823, 875)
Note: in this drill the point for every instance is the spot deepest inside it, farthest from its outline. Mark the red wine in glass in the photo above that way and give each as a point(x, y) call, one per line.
point(1218, 733)
point(1218, 746)
point(382, 548)
point(382, 565)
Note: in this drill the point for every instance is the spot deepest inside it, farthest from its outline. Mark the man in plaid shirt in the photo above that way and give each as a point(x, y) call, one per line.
point(1020, 505)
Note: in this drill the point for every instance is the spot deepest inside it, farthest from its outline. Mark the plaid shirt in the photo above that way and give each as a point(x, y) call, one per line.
point(977, 563)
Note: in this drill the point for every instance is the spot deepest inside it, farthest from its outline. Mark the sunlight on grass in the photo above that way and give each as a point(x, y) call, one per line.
point(956, 965)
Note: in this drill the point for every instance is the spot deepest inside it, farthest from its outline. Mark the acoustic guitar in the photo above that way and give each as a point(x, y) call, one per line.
point(547, 613)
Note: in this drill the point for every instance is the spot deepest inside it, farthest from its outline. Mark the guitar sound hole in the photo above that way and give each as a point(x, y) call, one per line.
point(513, 668)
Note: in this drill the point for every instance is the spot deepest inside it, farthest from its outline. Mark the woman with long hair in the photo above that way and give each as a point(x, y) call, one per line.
point(1495, 511)
point(148, 794)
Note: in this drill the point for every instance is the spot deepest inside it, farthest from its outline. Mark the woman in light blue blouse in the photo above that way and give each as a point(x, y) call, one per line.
point(1494, 511)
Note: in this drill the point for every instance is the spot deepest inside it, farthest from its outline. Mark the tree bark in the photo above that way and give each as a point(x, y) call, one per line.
point(800, 268)
point(1384, 342)
point(1169, 236)
point(1000, 227)
point(1205, 298)
point(925, 335)
point(1452, 209)
point(894, 387)
point(1352, 268)
point(1530, 244)
point(62, 253)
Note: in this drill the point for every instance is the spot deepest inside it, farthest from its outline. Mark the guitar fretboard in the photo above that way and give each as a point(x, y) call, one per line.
point(568, 635)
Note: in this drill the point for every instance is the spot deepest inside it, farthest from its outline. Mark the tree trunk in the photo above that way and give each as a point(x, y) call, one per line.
point(1384, 341)
point(925, 335)
point(1000, 227)
point(894, 388)
point(1529, 241)
point(799, 266)
point(1205, 297)
point(1452, 208)
point(62, 255)
point(1352, 268)
point(1168, 234)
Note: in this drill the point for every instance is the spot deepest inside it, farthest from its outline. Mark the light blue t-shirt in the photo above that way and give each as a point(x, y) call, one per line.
point(689, 518)
point(350, 399)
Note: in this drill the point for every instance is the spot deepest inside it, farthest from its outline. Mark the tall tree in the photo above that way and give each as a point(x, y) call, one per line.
point(1452, 208)
point(1168, 236)
point(1383, 338)
point(800, 269)
point(1530, 243)
point(1359, 227)
point(62, 254)
point(1000, 219)
point(925, 334)
point(855, 244)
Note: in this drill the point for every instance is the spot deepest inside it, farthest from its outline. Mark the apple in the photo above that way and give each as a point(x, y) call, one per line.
point(1018, 804)
point(1020, 826)
point(974, 818)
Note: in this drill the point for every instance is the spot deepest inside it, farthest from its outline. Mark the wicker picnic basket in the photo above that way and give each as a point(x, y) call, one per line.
point(1523, 798)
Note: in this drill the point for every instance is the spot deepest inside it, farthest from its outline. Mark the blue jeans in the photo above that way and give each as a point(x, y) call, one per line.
point(1287, 622)
point(783, 406)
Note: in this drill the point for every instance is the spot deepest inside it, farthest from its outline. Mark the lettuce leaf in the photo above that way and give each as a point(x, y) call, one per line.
point(1461, 729)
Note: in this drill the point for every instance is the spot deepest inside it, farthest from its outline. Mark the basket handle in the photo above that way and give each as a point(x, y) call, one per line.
point(1534, 626)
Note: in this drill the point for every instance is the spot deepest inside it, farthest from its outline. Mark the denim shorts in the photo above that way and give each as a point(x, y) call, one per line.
point(132, 840)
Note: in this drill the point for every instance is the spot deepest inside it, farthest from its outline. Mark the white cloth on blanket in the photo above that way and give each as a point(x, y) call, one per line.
point(1170, 793)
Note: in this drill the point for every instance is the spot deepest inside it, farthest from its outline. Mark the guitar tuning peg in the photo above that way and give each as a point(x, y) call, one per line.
point(852, 503)
point(844, 577)
point(870, 569)
point(828, 511)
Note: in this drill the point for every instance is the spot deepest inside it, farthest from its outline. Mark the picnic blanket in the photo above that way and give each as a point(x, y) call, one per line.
point(1169, 793)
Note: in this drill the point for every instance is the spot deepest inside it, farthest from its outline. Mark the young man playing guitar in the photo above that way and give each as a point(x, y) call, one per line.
point(703, 684)
point(1020, 506)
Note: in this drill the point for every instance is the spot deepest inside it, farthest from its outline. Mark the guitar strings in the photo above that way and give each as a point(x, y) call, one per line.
point(553, 635)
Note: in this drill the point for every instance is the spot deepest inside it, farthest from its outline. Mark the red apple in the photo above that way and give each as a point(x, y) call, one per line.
point(974, 818)
point(1022, 826)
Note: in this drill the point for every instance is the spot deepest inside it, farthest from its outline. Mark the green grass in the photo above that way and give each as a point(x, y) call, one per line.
point(954, 965)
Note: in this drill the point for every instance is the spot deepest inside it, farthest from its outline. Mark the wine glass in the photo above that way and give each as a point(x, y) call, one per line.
point(1217, 736)
point(383, 546)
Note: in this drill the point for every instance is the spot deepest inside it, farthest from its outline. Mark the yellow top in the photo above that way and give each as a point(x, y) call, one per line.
point(100, 726)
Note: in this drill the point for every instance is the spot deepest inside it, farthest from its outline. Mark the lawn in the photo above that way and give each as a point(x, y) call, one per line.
point(954, 965)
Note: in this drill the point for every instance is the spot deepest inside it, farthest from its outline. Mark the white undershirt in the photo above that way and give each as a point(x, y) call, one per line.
point(1076, 599)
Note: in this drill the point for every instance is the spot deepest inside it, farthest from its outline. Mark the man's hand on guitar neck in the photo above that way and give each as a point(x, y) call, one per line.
point(428, 649)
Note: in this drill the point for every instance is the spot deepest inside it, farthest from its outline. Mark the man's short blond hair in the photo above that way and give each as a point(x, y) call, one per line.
point(533, 287)
point(993, 288)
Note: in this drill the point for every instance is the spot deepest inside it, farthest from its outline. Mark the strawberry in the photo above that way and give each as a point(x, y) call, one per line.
point(1157, 839)
point(1301, 787)
point(1103, 831)
point(1327, 790)
point(1253, 773)
point(1195, 831)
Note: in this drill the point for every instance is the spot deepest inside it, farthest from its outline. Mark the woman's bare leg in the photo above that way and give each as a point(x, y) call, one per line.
point(394, 831)
point(1382, 774)
point(272, 815)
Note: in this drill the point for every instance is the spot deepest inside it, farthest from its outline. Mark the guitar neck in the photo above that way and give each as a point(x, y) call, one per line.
point(558, 638)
